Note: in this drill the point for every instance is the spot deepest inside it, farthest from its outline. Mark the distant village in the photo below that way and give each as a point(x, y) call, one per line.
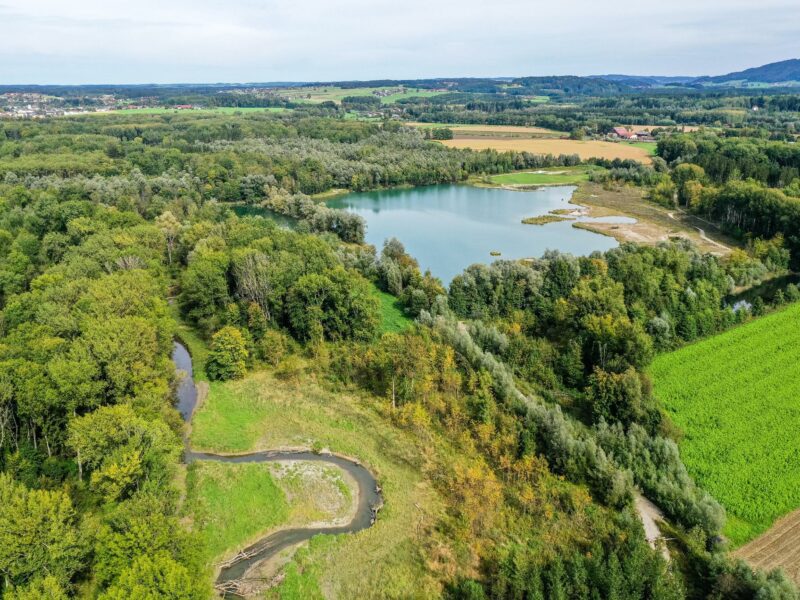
point(29, 105)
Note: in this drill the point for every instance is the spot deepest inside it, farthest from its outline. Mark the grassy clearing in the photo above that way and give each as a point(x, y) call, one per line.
point(232, 504)
point(584, 149)
point(393, 318)
point(735, 398)
point(261, 412)
point(554, 176)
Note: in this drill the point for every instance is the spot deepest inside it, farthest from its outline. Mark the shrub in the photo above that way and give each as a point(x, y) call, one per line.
point(227, 358)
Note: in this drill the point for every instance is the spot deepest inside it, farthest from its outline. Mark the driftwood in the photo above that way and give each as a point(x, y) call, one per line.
point(240, 556)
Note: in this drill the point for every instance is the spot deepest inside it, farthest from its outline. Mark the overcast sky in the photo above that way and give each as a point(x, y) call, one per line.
point(161, 41)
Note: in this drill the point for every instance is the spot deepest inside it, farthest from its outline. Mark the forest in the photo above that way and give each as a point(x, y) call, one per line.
point(522, 387)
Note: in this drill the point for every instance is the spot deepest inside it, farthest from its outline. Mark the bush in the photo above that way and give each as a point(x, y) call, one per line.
point(272, 347)
point(289, 369)
point(227, 358)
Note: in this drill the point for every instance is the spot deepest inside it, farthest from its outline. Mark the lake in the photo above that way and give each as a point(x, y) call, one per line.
point(449, 227)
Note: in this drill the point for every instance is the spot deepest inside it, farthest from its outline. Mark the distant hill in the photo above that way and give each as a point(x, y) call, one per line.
point(778, 72)
point(645, 81)
point(570, 84)
point(783, 72)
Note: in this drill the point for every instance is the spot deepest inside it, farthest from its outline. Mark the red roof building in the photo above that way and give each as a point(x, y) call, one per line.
point(623, 133)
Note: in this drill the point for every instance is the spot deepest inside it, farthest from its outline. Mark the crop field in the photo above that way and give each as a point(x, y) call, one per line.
point(335, 94)
point(584, 149)
point(735, 397)
point(777, 548)
point(554, 176)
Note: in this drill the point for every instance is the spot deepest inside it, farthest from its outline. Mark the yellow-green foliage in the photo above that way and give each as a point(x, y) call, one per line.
point(735, 396)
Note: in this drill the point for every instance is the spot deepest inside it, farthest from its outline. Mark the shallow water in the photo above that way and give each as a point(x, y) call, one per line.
point(449, 227)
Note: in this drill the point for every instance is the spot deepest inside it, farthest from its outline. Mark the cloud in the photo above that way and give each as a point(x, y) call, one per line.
point(50, 41)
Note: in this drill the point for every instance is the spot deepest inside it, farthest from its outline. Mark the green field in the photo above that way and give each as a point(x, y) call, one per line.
point(335, 94)
point(228, 110)
point(736, 397)
point(649, 146)
point(393, 318)
point(230, 504)
point(553, 176)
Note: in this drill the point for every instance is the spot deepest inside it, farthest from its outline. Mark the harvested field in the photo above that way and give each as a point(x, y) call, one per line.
point(584, 149)
point(777, 548)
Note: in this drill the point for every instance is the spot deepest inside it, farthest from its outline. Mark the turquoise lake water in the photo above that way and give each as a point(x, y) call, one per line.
point(449, 227)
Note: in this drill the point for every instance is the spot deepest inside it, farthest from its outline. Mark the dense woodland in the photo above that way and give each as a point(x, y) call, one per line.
point(114, 227)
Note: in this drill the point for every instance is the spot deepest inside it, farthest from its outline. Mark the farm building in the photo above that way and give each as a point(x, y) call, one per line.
point(625, 134)
point(622, 133)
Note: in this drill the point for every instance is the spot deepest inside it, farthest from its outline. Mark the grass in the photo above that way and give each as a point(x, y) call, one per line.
point(316, 492)
point(735, 398)
point(650, 147)
point(262, 412)
point(231, 504)
point(558, 176)
point(393, 318)
point(544, 219)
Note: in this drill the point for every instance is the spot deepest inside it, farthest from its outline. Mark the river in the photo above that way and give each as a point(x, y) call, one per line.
point(369, 495)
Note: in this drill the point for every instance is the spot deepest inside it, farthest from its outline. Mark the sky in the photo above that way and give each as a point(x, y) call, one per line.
point(238, 41)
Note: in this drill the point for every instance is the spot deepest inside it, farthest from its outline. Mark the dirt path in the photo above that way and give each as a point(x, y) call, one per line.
point(232, 578)
point(702, 232)
point(650, 514)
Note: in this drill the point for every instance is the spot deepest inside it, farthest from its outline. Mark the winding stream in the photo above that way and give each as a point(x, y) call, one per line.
point(369, 496)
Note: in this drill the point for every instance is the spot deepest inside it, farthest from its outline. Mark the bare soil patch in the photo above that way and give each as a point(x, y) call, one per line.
point(777, 548)
point(654, 223)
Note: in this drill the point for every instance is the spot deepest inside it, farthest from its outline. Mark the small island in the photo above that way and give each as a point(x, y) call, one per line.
point(544, 219)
